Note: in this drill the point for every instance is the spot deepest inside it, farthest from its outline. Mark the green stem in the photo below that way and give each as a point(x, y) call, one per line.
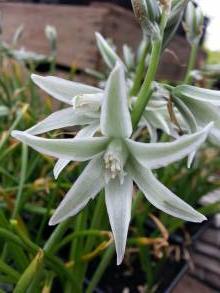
point(29, 273)
point(191, 64)
point(146, 88)
point(6, 269)
point(108, 255)
point(77, 244)
point(19, 197)
point(96, 220)
point(56, 236)
point(139, 72)
point(101, 268)
point(13, 126)
point(9, 236)
point(79, 234)
point(146, 91)
point(54, 262)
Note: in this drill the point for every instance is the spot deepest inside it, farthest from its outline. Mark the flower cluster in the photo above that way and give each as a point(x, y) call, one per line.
point(116, 160)
point(108, 139)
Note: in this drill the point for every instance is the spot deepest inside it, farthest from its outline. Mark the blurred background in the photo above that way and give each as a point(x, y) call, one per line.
point(193, 253)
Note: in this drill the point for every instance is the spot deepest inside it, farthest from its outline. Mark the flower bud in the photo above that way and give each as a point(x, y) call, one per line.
point(148, 15)
point(174, 20)
point(193, 25)
point(51, 34)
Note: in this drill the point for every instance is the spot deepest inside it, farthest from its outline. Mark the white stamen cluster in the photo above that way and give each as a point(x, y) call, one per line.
point(114, 167)
point(112, 164)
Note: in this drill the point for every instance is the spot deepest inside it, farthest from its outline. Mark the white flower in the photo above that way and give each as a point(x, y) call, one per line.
point(116, 161)
point(85, 109)
point(199, 106)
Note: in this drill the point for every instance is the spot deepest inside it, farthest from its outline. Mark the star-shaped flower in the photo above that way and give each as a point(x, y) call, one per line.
point(115, 162)
point(85, 110)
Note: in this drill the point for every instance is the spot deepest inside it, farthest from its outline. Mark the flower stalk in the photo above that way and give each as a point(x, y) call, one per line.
point(146, 88)
point(191, 63)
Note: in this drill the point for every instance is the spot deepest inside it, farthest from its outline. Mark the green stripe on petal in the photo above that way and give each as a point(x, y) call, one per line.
point(118, 198)
point(115, 117)
point(61, 89)
point(81, 149)
point(85, 188)
point(199, 94)
point(160, 196)
point(156, 155)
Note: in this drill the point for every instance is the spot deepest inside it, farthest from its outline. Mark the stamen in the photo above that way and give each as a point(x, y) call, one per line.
point(114, 160)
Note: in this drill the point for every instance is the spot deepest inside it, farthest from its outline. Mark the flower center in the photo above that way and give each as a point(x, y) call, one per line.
point(115, 158)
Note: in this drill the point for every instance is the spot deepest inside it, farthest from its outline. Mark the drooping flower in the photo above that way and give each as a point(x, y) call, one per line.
point(115, 162)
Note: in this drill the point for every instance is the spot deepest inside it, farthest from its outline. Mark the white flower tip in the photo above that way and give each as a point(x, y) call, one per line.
point(53, 221)
point(17, 134)
point(118, 70)
point(119, 260)
point(202, 218)
point(98, 35)
point(189, 164)
point(55, 175)
point(209, 126)
point(206, 130)
point(120, 66)
point(197, 217)
point(36, 78)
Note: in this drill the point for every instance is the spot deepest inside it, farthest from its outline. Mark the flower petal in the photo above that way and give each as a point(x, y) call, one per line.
point(61, 89)
point(156, 155)
point(199, 94)
point(108, 54)
point(152, 131)
point(115, 116)
point(215, 136)
point(157, 117)
point(160, 196)
point(186, 114)
point(81, 149)
point(88, 131)
point(204, 113)
point(59, 166)
point(118, 199)
point(60, 119)
point(86, 187)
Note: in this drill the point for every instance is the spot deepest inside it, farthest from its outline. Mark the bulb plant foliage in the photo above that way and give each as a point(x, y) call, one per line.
point(116, 159)
point(131, 133)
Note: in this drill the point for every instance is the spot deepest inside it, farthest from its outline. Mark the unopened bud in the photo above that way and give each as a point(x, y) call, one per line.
point(51, 34)
point(193, 25)
point(148, 15)
point(166, 4)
